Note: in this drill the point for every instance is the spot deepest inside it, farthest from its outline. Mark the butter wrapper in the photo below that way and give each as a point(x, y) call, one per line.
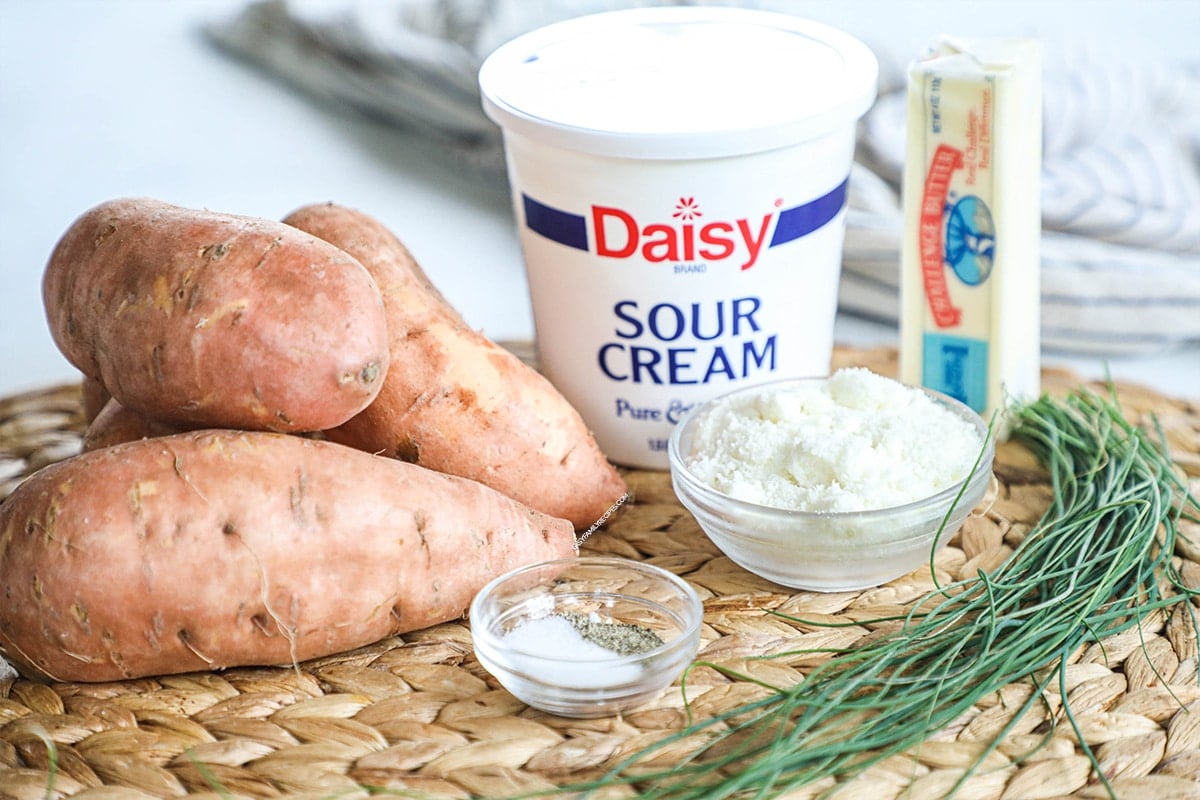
point(970, 286)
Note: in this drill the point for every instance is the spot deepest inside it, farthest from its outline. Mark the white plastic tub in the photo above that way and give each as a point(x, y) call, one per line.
point(679, 181)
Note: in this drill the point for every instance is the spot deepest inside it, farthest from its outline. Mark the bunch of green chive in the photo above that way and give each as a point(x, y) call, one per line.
point(1097, 563)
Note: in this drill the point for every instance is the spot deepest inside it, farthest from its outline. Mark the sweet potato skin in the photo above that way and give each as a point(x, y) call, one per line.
point(116, 424)
point(209, 319)
point(94, 397)
point(455, 401)
point(219, 548)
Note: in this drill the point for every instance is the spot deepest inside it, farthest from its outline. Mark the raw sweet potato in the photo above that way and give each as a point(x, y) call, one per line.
point(209, 319)
point(212, 549)
point(455, 401)
point(116, 424)
point(94, 395)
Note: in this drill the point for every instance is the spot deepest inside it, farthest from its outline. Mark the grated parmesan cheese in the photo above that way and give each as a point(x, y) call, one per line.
point(855, 442)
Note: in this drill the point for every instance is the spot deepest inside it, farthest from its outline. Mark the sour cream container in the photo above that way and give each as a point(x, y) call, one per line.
point(679, 181)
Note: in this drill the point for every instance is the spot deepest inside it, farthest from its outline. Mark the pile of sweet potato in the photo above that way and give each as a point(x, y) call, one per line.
point(296, 447)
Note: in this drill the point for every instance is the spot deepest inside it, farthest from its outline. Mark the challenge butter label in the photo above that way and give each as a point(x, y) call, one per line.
point(970, 313)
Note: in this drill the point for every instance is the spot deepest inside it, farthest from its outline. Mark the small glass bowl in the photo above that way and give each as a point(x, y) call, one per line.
point(827, 551)
point(563, 680)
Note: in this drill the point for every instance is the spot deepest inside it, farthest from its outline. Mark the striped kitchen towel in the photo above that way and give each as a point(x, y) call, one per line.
point(1120, 203)
point(1121, 164)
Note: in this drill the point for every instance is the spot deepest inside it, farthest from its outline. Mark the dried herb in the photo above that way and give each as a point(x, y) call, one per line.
point(623, 638)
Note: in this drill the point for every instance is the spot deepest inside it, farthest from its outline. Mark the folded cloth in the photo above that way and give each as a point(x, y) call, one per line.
point(1121, 165)
point(1120, 204)
point(412, 63)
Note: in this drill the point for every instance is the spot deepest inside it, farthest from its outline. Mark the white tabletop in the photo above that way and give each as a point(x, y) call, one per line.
point(109, 98)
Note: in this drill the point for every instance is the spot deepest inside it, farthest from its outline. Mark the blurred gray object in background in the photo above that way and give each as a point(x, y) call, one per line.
point(1121, 169)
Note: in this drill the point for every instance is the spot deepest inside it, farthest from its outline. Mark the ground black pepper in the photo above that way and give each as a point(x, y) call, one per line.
point(623, 638)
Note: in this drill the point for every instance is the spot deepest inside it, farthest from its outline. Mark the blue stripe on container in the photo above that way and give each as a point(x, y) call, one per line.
point(556, 225)
point(804, 219)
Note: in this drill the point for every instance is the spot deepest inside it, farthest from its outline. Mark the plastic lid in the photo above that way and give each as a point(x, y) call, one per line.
point(678, 82)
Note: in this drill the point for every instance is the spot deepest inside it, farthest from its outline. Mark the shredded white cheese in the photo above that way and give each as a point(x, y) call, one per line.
point(856, 442)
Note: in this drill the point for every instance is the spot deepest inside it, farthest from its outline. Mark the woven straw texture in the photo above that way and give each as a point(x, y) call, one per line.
point(417, 716)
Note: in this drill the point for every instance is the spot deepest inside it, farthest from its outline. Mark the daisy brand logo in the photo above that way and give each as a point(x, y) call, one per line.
point(686, 209)
point(620, 235)
point(687, 234)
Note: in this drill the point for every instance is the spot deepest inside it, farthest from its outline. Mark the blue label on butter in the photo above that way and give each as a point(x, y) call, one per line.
point(957, 366)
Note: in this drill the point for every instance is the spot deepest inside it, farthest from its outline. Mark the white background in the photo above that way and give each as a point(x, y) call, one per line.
point(109, 98)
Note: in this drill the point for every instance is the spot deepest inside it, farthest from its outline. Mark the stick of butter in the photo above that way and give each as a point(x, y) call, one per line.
point(970, 287)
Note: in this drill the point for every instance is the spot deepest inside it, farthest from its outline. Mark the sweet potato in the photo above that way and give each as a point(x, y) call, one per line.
point(208, 319)
point(212, 549)
point(116, 424)
point(94, 395)
point(455, 401)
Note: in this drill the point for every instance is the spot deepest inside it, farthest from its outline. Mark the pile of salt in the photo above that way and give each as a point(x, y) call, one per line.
point(552, 650)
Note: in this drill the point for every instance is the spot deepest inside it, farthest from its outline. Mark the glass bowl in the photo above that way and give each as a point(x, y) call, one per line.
point(588, 636)
point(828, 551)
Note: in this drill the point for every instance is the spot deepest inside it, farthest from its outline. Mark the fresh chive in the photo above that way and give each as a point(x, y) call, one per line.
point(1096, 563)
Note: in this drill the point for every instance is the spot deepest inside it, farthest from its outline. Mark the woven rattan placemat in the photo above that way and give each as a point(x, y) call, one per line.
point(417, 714)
